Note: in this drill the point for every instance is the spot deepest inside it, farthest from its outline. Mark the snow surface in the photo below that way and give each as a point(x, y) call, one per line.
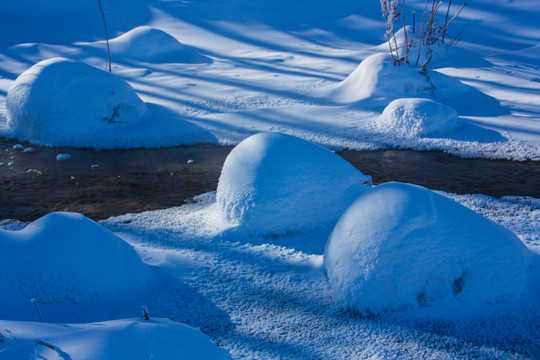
point(268, 62)
point(274, 183)
point(61, 102)
point(278, 302)
point(401, 246)
point(418, 117)
point(111, 340)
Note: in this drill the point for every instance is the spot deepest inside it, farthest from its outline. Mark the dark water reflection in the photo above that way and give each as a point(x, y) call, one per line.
point(143, 179)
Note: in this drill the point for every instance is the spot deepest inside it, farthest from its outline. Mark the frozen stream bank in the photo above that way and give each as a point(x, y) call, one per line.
point(107, 183)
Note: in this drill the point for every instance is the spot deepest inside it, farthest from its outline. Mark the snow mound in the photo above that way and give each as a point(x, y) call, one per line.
point(401, 246)
point(273, 183)
point(61, 102)
point(377, 77)
point(60, 95)
point(145, 43)
point(415, 117)
point(118, 339)
point(67, 258)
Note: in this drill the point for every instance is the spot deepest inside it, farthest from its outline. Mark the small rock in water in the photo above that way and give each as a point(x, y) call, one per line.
point(29, 150)
point(33, 172)
point(63, 157)
point(190, 161)
point(18, 147)
point(94, 166)
point(10, 163)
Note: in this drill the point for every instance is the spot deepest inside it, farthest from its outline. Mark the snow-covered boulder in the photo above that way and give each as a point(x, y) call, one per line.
point(61, 102)
point(274, 183)
point(401, 246)
point(59, 98)
point(66, 258)
point(415, 117)
point(378, 78)
point(158, 339)
point(145, 43)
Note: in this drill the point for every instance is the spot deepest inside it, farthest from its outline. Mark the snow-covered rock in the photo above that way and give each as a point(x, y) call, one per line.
point(274, 183)
point(145, 43)
point(60, 98)
point(378, 78)
point(109, 340)
point(401, 246)
point(66, 258)
point(61, 102)
point(415, 117)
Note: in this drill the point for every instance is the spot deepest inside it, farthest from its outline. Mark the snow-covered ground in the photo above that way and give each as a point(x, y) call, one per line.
point(239, 67)
point(246, 264)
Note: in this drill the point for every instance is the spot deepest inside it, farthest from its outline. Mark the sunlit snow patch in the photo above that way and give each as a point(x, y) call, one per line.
point(410, 117)
point(61, 102)
point(119, 339)
point(273, 183)
point(401, 246)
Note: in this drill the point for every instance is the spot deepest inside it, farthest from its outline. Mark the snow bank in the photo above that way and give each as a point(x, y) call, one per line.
point(119, 339)
point(378, 77)
point(145, 43)
point(401, 246)
point(410, 117)
point(61, 102)
point(275, 183)
point(66, 258)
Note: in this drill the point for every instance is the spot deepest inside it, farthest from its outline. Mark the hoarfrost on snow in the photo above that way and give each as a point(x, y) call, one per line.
point(401, 246)
point(273, 183)
point(65, 258)
point(415, 117)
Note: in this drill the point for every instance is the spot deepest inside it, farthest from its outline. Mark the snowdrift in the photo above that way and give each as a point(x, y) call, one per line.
point(410, 117)
point(401, 246)
point(378, 78)
point(274, 183)
point(148, 44)
point(119, 339)
point(377, 81)
point(61, 102)
point(66, 258)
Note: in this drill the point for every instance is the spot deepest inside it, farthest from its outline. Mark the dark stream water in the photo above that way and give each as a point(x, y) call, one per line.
point(131, 181)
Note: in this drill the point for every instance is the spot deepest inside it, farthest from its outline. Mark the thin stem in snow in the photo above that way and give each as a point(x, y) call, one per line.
point(106, 36)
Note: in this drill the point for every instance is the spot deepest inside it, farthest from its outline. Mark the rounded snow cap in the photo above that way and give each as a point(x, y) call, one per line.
point(378, 78)
point(401, 246)
point(145, 43)
point(414, 117)
point(59, 99)
point(273, 183)
point(66, 257)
